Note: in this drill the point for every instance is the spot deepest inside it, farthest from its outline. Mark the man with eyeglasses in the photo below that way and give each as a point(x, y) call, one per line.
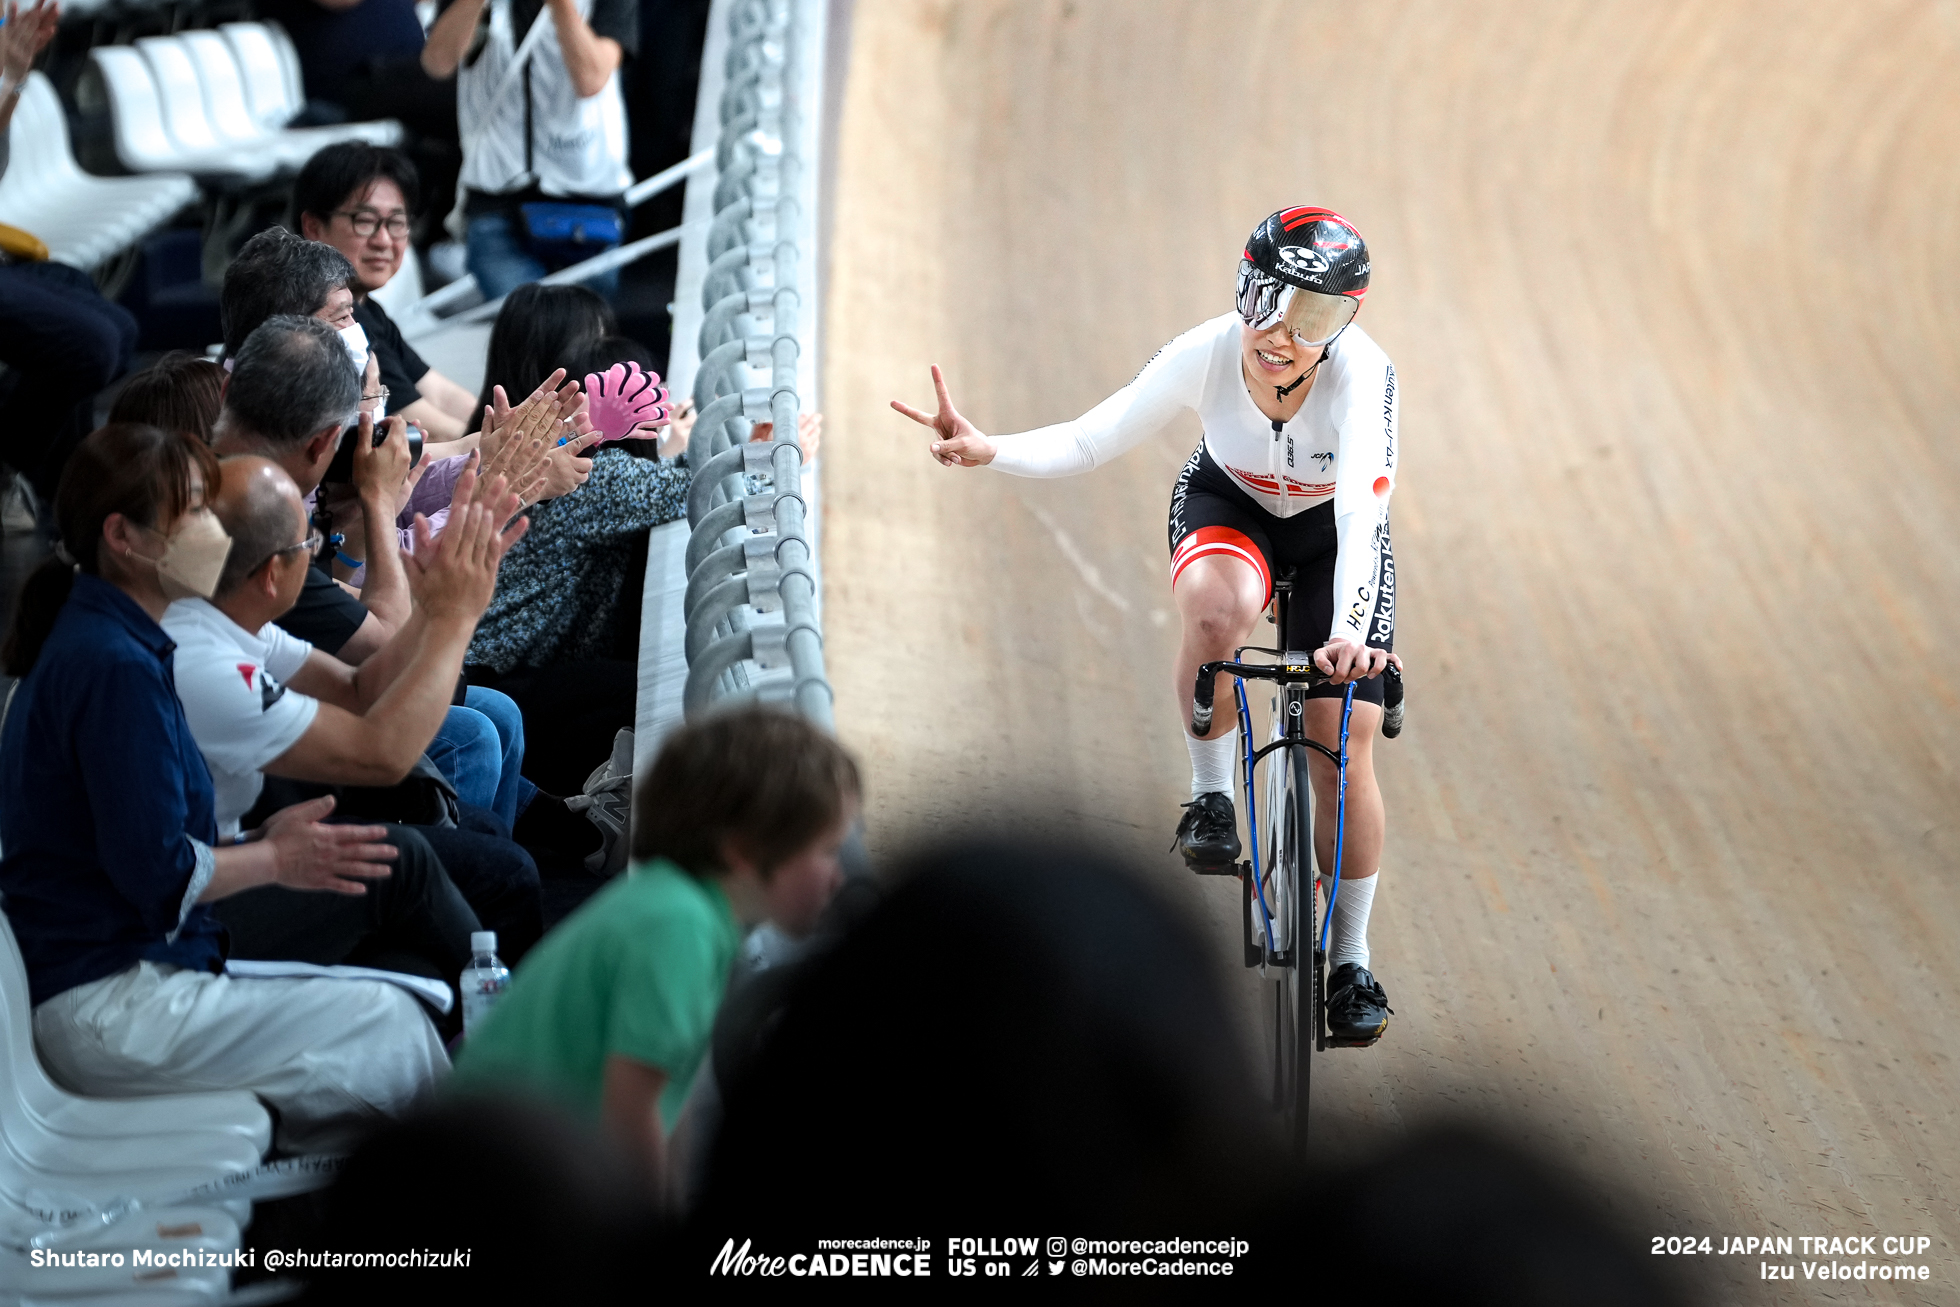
point(361, 199)
point(262, 702)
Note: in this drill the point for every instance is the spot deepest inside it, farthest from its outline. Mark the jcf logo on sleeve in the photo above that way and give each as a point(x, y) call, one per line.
point(270, 691)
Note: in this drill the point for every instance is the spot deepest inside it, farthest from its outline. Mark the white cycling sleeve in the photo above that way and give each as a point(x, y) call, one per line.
point(1364, 571)
point(1172, 382)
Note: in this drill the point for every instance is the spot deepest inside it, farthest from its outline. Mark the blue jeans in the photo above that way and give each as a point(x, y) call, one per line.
point(480, 748)
point(500, 263)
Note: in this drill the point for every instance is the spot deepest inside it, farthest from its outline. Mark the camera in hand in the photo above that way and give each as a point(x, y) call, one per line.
point(341, 470)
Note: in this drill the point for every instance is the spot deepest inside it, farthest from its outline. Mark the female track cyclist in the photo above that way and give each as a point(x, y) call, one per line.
point(1295, 471)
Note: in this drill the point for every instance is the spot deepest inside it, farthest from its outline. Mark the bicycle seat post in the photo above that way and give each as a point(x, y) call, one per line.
point(1282, 604)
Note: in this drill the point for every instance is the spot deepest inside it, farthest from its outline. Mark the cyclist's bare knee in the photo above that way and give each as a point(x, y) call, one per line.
point(1218, 599)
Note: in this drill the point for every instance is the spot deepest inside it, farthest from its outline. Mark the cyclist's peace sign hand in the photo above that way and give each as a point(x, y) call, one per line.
point(956, 442)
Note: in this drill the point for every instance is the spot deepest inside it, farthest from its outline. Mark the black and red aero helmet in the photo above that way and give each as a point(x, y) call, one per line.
point(1306, 266)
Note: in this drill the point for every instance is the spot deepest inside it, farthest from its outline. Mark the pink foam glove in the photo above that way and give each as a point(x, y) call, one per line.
point(626, 403)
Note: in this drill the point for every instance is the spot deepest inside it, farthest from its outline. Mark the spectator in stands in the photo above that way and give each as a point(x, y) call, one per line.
point(550, 135)
point(61, 339)
point(360, 199)
point(292, 392)
point(572, 710)
point(261, 701)
point(739, 821)
point(552, 638)
point(179, 392)
point(361, 60)
point(1059, 1001)
point(112, 855)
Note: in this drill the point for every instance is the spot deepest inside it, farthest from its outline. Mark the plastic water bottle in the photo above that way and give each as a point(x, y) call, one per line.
point(484, 982)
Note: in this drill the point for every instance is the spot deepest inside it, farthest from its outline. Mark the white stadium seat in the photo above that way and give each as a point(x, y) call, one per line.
point(225, 101)
point(157, 1230)
point(142, 142)
point(270, 70)
point(214, 104)
point(289, 65)
point(82, 218)
point(62, 1154)
point(182, 96)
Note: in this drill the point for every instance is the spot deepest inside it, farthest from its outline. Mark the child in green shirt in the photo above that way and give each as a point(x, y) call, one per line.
point(739, 821)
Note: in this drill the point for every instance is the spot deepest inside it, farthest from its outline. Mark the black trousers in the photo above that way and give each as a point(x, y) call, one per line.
point(64, 343)
point(413, 921)
point(497, 877)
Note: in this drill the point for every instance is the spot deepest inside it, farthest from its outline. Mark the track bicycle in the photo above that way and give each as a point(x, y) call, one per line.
point(1283, 920)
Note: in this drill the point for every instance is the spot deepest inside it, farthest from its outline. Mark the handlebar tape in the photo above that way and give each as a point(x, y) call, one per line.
point(1392, 703)
point(1201, 697)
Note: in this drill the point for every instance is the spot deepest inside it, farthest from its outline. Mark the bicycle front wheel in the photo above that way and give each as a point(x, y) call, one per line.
point(1302, 984)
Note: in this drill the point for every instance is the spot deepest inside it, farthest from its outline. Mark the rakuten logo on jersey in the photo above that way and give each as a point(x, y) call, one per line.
point(1385, 606)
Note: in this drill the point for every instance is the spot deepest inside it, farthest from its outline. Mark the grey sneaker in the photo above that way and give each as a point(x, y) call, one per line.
point(17, 507)
point(608, 804)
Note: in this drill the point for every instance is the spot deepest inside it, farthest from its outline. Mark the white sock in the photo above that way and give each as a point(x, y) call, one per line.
point(1212, 762)
point(1351, 907)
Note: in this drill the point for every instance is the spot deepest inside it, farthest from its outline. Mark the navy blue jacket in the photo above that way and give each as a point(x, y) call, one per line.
point(107, 816)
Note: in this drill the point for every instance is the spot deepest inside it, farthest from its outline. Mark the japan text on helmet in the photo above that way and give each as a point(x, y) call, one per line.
point(1306, 267)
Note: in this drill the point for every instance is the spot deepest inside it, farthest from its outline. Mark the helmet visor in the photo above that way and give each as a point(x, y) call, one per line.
point(1313, 318)
point(1310, 317)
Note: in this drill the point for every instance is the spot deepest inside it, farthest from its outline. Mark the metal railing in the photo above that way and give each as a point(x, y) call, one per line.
point(752, 623)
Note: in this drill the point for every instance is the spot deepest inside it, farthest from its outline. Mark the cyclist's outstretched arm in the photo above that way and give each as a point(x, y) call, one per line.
point(1171, 382)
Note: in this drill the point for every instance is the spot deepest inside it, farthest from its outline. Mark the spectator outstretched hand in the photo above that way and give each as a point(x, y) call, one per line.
point(626, 403)
point(809, 433)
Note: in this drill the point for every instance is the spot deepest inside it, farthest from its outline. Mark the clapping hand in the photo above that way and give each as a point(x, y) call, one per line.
point(24, 36)
point(535, 447)
point(315, 856)
point(454, 575)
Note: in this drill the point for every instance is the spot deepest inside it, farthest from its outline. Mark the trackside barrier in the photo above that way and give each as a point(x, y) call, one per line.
point(751, 604)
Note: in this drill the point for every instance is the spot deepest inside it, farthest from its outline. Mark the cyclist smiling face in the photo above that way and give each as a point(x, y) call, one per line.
point(1273, 361)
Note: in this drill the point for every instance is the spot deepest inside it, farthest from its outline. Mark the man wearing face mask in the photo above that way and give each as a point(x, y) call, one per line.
point(290, 397)
point(278, 273)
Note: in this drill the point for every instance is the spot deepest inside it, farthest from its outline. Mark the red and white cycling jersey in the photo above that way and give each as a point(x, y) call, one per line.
point(1341, 445)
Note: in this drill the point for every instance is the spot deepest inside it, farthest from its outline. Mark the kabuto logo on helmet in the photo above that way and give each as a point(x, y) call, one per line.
point(1303, 260)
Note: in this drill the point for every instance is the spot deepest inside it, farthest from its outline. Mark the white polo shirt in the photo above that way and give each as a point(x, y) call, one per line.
point(233, 686)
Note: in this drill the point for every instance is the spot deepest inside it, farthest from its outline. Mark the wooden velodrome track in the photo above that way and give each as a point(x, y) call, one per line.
point(1673, 290)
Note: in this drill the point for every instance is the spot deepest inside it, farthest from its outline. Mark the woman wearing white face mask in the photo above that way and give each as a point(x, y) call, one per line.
point(108, 822)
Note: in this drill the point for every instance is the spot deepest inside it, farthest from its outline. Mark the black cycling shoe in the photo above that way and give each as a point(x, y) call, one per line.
point(1208, 837)
point(1357, 1007)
